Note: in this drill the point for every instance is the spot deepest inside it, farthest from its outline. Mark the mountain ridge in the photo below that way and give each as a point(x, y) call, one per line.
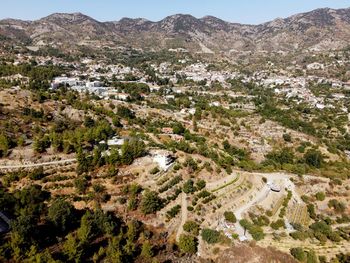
point(323, 28)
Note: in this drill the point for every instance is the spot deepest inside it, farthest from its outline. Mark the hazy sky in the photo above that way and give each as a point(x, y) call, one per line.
point(243, 11)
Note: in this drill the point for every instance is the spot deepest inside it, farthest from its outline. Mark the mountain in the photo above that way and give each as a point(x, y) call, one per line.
point(319, 30)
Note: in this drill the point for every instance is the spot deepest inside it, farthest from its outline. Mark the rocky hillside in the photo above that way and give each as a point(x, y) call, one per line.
point(318, 30)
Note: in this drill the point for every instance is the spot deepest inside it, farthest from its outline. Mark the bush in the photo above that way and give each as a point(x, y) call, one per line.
point(170, 184)
point(277, 224)
point(298, 253)
point(173, 211)
point(298, 235)
point(37, 174)
point(155, 170)
point(338, 207)
point(320, 196)
point(287, 137)
point(230, 217)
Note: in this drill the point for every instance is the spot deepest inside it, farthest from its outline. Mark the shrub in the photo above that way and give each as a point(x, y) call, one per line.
point(155, 170)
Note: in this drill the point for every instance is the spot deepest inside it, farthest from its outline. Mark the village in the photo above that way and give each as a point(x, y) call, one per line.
point(218, 146)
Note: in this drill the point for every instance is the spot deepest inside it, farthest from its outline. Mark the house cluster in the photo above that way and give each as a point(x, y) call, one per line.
point(93, 87)
point(297, 88)
point(199, 72)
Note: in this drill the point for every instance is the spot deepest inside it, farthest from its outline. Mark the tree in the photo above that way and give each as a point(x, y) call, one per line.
point(230, 217)
point(72, 249)
point(61, 213)
point(201, 184)
point(283, 156)
point(314, 158)
point(131, 150)
point(125, 113)
point(41, 144)
point(191, 227)
point(147, 250)
point(188, 244)
point(113, 252)
point(81, 184)
point(4, 145)
point(84, 232)
point(83, 162)
point(178, 128)
point(37, 174)
point(210, 236)
point(188, 187)
point(151, 203)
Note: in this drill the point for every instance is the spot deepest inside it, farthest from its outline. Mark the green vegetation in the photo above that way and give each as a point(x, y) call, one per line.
point(210, 236)
point(320, 196)
point(173, 211)
point(230, 217)
point(256, 231)
point(151, 203)
point(191, 227)
point(188, 244)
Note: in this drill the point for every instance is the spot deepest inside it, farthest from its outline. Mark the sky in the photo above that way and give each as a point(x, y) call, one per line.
point(241, 11)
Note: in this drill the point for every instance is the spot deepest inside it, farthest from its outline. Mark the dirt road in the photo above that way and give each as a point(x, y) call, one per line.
point(183, 215)
point(260, 196)
point(32, 165)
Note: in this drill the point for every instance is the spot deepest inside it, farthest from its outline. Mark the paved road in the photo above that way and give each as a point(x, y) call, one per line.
point(32, 165)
